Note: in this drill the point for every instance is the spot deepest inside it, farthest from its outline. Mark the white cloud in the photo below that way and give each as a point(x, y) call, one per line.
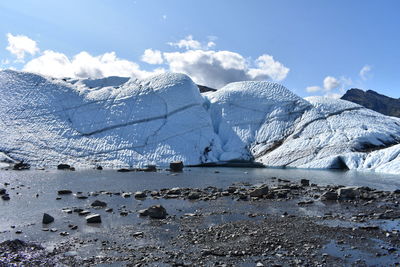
point(188, 43)
point(164, 17)
point(84, 65)
point(313, 89)
point(365, 72)
point(268, 67)
point(210, 44)
point(207, 67)
point(332, 87)
point(217, 68)
point(152, 56)
point(19, 45)
point(331, 83)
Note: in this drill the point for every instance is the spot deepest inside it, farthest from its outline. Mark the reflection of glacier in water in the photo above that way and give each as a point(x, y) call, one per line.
point(119, 122)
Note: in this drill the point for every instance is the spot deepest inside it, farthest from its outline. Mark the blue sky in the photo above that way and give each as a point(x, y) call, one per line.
point(313, 47)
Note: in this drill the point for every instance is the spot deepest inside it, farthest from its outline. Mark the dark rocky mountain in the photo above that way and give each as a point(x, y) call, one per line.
point(204, 89)
point(372, 100)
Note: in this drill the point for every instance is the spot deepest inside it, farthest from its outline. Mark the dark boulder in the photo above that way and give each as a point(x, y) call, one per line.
point(47, 218)
point(21, 166)
point(63, 167)
point(93, 218)
point(99, 204)
point(176, 166)
point(64, 192)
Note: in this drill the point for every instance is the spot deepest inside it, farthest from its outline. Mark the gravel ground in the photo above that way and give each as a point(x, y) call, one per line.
point(281, 223)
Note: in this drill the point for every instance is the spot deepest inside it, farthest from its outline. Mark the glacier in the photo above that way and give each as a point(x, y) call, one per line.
point(126, 122)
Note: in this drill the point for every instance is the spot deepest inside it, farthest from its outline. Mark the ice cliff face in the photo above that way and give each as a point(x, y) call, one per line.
point(252, 118)
point(46, 121)
point(119, 122)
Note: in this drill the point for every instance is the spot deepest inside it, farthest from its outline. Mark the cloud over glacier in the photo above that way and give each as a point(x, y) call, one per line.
point(201, 61)
point(85, 65)
point(19, 45)
point(218, 68)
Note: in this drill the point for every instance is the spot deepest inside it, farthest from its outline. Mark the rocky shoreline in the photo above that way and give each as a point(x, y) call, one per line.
point(279, 223)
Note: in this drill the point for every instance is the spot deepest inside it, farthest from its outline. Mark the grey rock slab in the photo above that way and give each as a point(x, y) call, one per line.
point(93, 218)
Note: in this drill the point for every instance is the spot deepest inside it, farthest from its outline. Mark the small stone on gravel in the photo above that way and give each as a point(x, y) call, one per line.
point(47, 218)
point(93, 218)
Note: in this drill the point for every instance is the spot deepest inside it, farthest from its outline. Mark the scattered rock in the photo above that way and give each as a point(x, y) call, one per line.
point(5, 197)
point(84, 212)
point(47, 218)
point(99, 168)
point(369, 227)
point(143, 212)
point(124, 170)
point(176, 166)
point(78, 210)
point(260, 191)
point(150, 168)
point(64, 167)
point(125, 195)
point(155, 212)
point(329, 196)
point(64, 192)
point(81, 196)
point(138, 234)
point(93, 218)
point(99, 204)
point(347, 193)
point(140, 194)
point(305, 182)
point(174, 191)
point(21, 166)
point(306, 202)
point(193, 195)
point(3, 191)
point(123, 213)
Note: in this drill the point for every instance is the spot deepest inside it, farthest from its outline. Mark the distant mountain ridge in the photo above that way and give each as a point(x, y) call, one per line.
point(375, 101)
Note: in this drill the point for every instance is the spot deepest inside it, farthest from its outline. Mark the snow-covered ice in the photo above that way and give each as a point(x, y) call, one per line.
point(48, 121)
point(117, 121)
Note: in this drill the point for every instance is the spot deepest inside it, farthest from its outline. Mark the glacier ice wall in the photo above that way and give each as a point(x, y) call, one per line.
point(117, 121)
point(46, 121)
